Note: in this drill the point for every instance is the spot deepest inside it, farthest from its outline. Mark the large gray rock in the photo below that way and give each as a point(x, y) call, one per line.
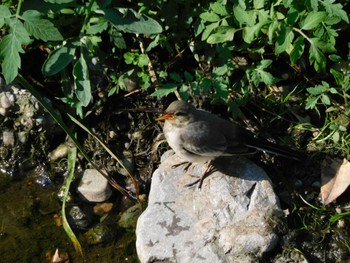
point(231, 219)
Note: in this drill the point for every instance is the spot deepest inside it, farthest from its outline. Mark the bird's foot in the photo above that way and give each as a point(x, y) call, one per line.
point(188, 164)
point(208, 170)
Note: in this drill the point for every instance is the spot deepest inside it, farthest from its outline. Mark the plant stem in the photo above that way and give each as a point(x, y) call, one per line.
point(19, 7)
point(87, 16)
point(303, 34)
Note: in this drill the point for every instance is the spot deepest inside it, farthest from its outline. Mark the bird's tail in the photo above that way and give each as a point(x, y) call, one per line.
point(264, 145)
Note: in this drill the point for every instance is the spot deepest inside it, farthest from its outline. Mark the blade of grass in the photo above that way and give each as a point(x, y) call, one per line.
point(72, 156)
point(60, 122)
point(312, 206)
point(109, 151)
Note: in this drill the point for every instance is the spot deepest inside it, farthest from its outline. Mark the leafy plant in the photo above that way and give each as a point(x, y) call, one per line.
point(21, 30)
point(78, 50)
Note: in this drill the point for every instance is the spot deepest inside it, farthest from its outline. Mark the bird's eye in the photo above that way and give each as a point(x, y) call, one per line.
point(180, 113)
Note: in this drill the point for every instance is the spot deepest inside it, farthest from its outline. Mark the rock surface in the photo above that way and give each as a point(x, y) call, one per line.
point(94, 187)
point(231, 219)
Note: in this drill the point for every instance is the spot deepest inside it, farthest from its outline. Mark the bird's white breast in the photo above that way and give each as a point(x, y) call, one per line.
point(173, 136)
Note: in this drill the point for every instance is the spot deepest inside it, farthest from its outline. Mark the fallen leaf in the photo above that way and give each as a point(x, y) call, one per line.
point(60, 257)
point(335, 179)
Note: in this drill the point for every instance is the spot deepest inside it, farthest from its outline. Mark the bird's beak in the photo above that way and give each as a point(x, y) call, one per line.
point(166, 117)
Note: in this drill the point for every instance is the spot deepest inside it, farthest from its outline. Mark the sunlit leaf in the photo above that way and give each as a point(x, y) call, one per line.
point(335, 179)
point(335, 9)
point(219, 8)
point(164, 90)
point(209, 16)
point(312, 20)
point(222, 34)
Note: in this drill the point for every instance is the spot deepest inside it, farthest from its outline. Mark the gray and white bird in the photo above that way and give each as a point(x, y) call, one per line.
point(198, 136)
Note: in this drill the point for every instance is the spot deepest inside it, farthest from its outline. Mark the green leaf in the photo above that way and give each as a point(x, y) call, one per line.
point(40, 28)
point(292, 16)
point(142, 60)
point(333, 91)
point(250, 33)
point(4, 14)
point(176, 77)
point(264, 64)
point(318, 89)
point(209, 28)
point(129, 57)
point(312, 20)
point(20, 34)
point(313, 4)
point(220, 71)
point(209, 16)
point(58, 60)
point(260, 75)
point(198, 27)
point(117, 38)
point(221, 88)
point(10, 47)
point(165, 90)
point(60, 1)
point(335, 9)
point(82, 81)
point(206, 84)
point(259, 4)
point(316, 55)
point(11, 61)
point(128, 20)
point(311, 103)
point(222, 34)
point(335, 137)
point(188, 76)
point(272, 30)
point(219, 8)
point(244, 17)
point(298, 50)
point(284, 40)
point(96, 28)
point(325, 99)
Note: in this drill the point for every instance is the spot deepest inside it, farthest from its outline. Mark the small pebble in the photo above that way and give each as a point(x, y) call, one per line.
point(5, 100)
point(22, 136)
point(102, 209)
point(94, 187)
point(3, 111)
point(60, 152)
point(8, 138)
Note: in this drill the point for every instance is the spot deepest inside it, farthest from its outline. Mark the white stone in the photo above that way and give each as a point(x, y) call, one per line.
point(8, 138)
point(94, 187)
point(6, 100)
point(228, 220)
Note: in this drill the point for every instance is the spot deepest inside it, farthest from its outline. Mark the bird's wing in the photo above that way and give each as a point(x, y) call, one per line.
point(199, 139)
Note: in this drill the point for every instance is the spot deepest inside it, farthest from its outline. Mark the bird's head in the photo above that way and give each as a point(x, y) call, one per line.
point(178, 113)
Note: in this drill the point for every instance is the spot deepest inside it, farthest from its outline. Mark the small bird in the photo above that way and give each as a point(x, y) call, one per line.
point(198, 136)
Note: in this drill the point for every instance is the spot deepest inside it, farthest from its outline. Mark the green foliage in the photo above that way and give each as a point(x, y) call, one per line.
point(73, 52)
point(21, 29)
point(230, 51)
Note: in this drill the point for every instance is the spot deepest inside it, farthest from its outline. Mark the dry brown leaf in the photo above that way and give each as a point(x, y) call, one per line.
point(335, 179)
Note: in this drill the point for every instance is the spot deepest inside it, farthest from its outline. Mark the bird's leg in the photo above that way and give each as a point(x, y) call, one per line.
point(206, 173)
point(188, 164)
